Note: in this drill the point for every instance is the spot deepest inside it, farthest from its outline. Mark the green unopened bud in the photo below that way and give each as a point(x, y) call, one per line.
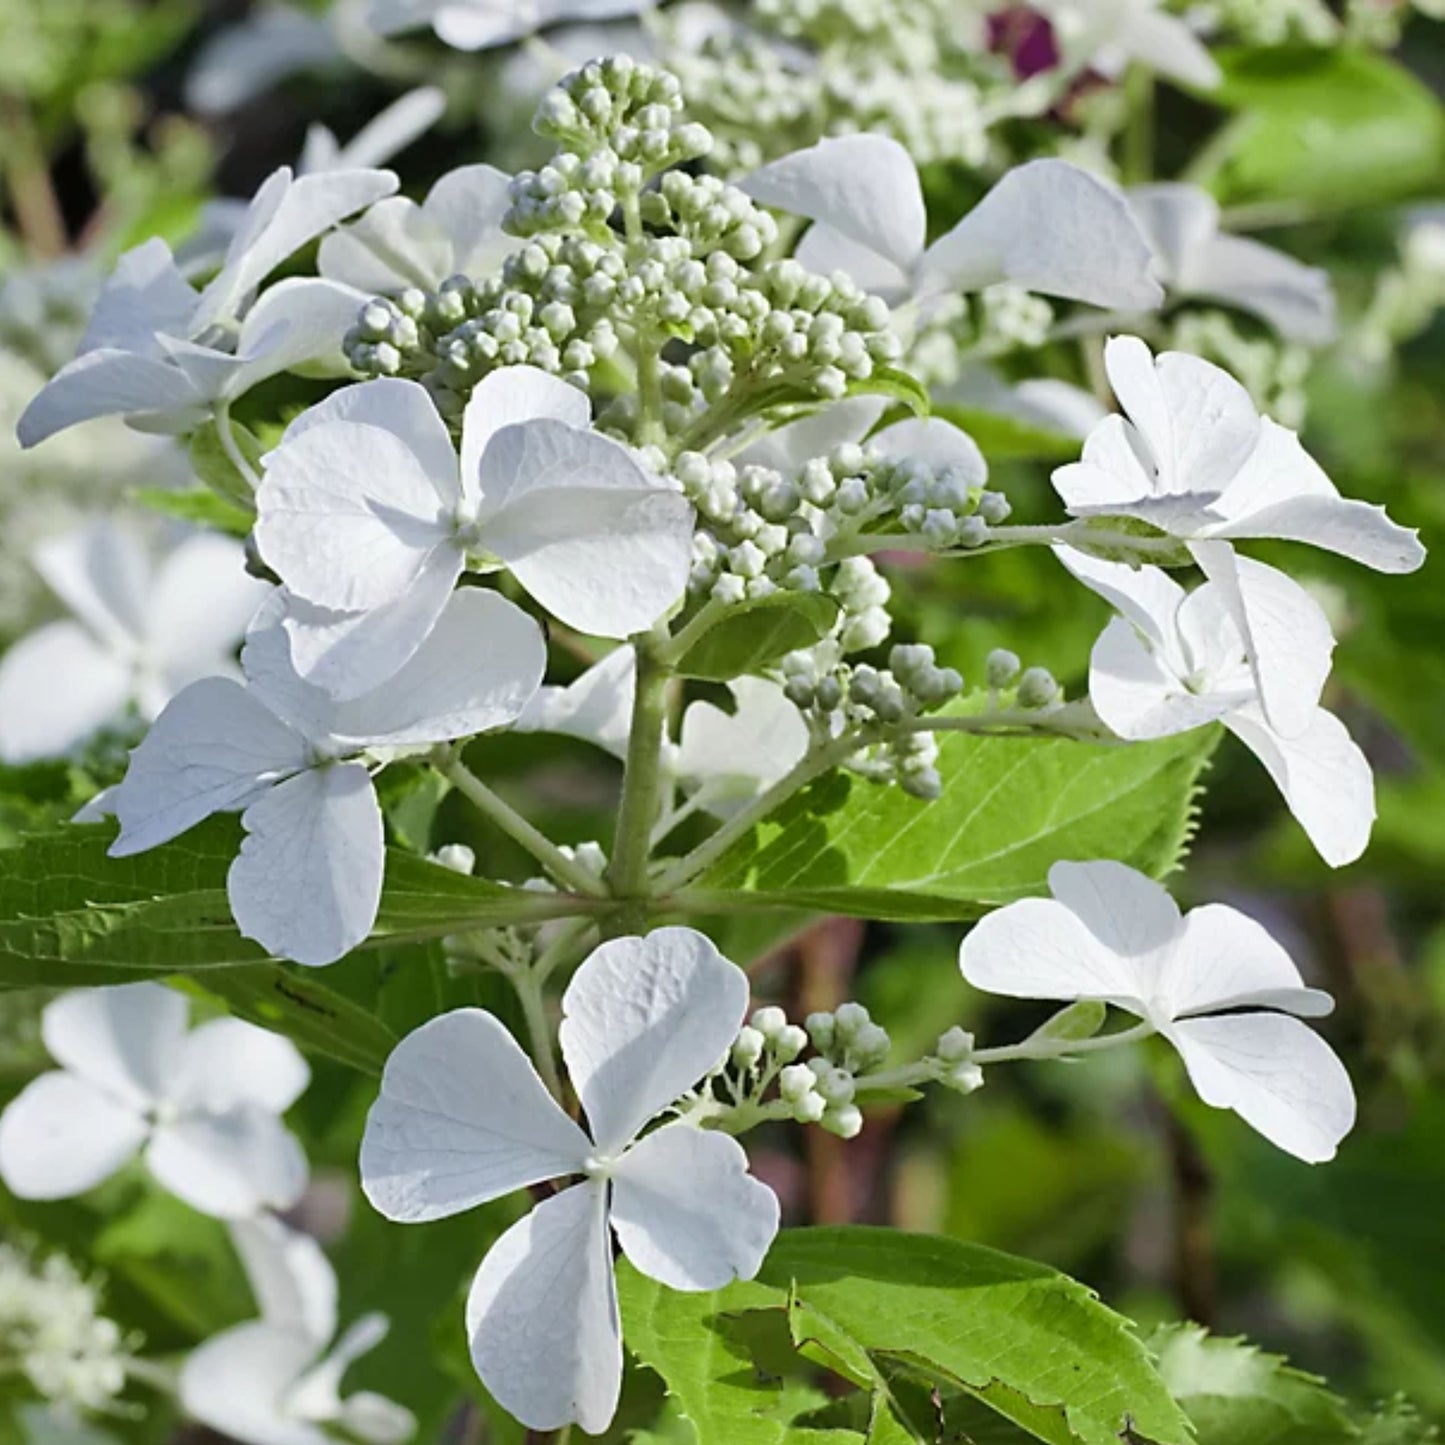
point(1037, 688)
point(747, 1048)
point(822, 1029)
point(769, 1021)
point(845, 1120)
point(955, 1046)
point(1002, 667)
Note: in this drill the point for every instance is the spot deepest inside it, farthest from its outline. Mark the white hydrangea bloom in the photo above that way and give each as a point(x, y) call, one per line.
point(1045, 226)
point(595, 707)
point(1108, 35)
point(1175, 660)
point(307, 882)
point(1194, 258)
point(1214, 983)
point(483, 24)
point(162, 355)
point(457, 230)
point(205, 1106)
point(277, 1380)
point(368, 516)
point(141, 630)
point(463, 1118)
point(1193, 457)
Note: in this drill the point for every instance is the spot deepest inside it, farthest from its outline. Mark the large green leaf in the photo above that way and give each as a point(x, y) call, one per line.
point(753, 634)
point(876, 1305)
point(1330, 126)
point(1010, 808)
point(72, 916)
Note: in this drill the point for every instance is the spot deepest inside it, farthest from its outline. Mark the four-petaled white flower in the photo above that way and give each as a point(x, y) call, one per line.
point(162, 355)
point(398, 243)
point(273, 1380)
point(1194, 258)
point(205, 1105)
point(368, 517)
point(1046, 226)
point(1195, 459)
point(141, 631)
point(463, 1118)
point(1214, 983)
point(1173, 661)
point(1107, 35)
point(307, 882)
point(483, 24)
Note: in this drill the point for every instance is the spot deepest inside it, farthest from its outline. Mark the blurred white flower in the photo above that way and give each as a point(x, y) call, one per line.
point(142, 629)
point(1045, 226)
point(307, 882)
point(277, 1380)
point(1107, 35)
point(1213, 983)
point(482, 24)
point(367, 516)
point(463, 1118)
point(204, 1106)
point(1173, 661)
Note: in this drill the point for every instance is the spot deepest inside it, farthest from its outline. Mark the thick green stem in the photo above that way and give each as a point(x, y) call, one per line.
point(641, 790)
point(562, 868)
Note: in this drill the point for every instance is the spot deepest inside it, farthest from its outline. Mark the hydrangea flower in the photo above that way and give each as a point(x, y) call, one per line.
point(204, 1106)
point(368, 517)
point(276, 1380)
point(457, 230)
point(162, 355)
point(1194, 258)
point(1194, 458)
point(307, 882)
point(1175, 660)
point(484, 24)
point(463, 1118)
point(1106, 35)
point(141, 631)
point(1213, 982)
point(1046, 226)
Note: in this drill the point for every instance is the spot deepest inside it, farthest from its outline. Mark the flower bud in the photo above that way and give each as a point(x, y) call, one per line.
point(769, 1022)
point(1001, 667)
point(747, 1048)
point(846, 1121)
point(1037, 688)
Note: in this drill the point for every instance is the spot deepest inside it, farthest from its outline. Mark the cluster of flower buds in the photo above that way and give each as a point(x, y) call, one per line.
point(943, 505)
point(953, 1062)
point(848, 1045)
point(1032, 688)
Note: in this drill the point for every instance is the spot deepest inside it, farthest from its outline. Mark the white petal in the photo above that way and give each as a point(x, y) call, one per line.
point(128, 1041)
point(237, 1383)
point(1137, 695)
point(1128, 912)
point(1295, 299)
point(469, 204)
point(1148, 597)
point(1225, 960)
point(542, 1316)
point(469, 27)
point(643, 1019)
point(686, 1211)
point(935, 442)
point(347, 516)
point(825, 250)
point(375, 1420)
point(228, 1062)
point(865, 186)
point(199, 606)
point(735, 755)
point(317, 1395)
point(214, 747)
point(143, 295)
point(477, 669)
point(1285, 631)
point(110, 383)
point(307, 882)
point(271, 675)
point(291, 1279)
point(597, 707)
point(301, 321)
point(599, 543)
point(1048, 226)
point(508, 397)
point(1325, 778)
point(392, 246)
point(462, 1118)
point(101, 572)
point(1180, 221)
point(391, 130)
point(1276, 1073)
point(1167, 45)
point(60, 1137)
point(58, 686)
point(351, 653)
point(229, 1165)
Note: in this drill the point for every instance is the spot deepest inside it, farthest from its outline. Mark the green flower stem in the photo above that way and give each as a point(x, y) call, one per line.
point(1063, 1048)
point(707, 616)
point(812, 764)
point(1080, 533)
point(1136, 159)
point(642, 783)
point(232, 447)
point(529, 984)
point(1071, 720)
point(562, 868)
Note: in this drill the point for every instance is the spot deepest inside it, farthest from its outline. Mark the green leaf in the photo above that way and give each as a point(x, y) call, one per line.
point(753, 634)
point(213, 465)
point(200, 505)
point(1236, 1395)
point(1332, 126)
point(878, 1306)
point(1081, 1020)
point(71, 916)
point(891, 382)
point(1010, 808)
point(1010, 438)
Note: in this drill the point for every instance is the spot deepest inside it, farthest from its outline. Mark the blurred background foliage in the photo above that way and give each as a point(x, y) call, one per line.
point(1109, 1170)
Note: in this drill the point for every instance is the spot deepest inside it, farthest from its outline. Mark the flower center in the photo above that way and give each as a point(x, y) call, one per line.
point(599, 1166)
